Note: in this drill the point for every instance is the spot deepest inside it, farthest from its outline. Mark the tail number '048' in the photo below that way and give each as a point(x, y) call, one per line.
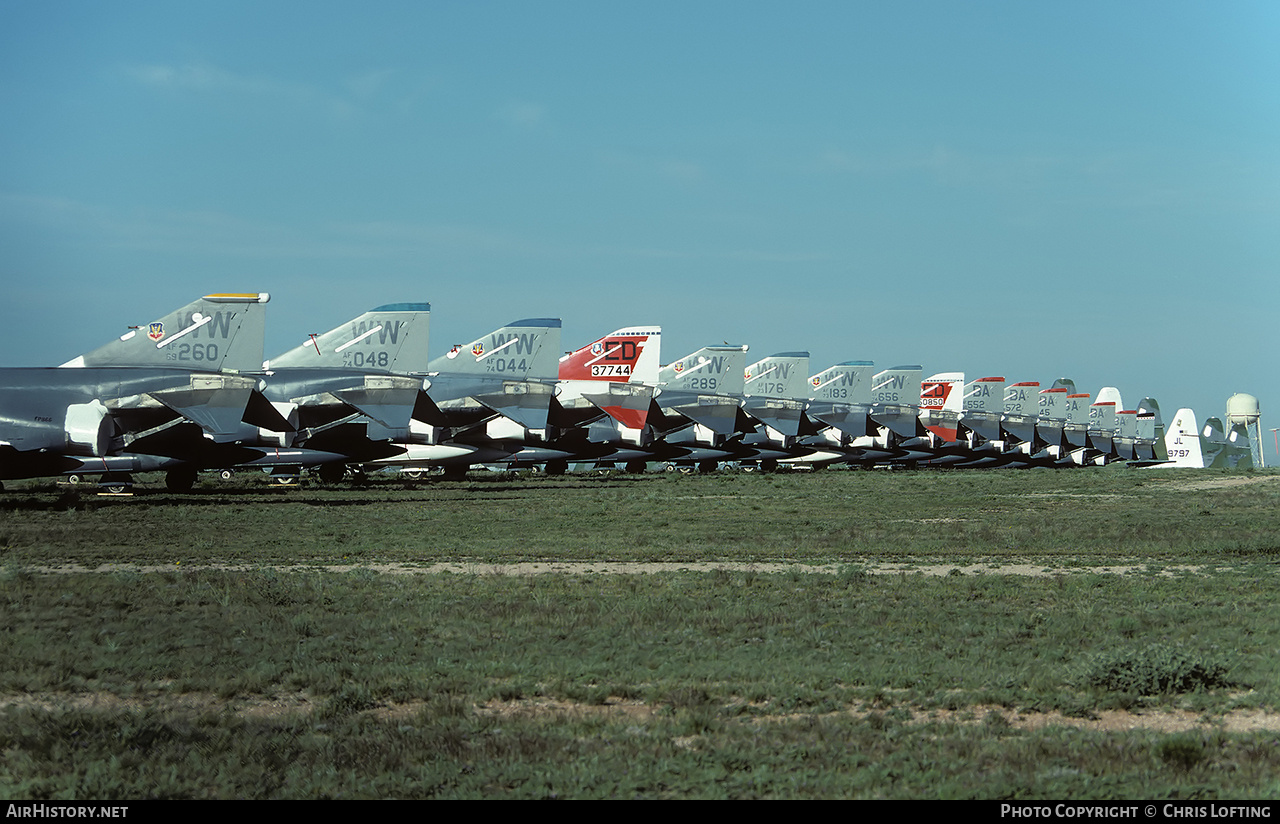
point(359, 359)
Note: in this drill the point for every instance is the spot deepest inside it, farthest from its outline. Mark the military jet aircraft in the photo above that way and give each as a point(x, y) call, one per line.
point(697, 407)
point(838, 406)
point(352, 391)
point(1207, 446)
point(367, 391)
point(602, 400)
point(775, 395)
point(171, 394)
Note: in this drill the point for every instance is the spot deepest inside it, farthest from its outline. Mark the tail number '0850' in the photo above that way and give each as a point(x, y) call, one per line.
point(195, 352)
point(610, 370)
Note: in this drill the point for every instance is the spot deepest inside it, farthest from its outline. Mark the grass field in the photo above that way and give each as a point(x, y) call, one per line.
point(1104, 633)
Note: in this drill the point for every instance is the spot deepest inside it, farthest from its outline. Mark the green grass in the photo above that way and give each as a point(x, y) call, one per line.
point(813, 517)
point(204, 683)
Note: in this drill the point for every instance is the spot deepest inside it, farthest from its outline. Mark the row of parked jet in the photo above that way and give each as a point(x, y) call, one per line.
point(191, 392)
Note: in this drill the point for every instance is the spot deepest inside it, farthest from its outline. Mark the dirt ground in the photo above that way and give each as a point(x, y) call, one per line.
point(298, 704)
point(642, 568)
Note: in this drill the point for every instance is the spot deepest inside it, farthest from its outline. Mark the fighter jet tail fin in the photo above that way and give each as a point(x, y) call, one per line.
point(629, 355)
point(222, 332)
point(390, 338)
point(523, 350)
point(712, 369)
point(1182, 440)
point(784, 375)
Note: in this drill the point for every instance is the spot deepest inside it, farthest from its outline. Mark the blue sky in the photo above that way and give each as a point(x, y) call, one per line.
point(1033, 190)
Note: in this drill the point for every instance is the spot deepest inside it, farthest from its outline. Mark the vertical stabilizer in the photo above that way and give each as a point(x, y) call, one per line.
point(390, 338)
point(985, 395)
point(941, 402)
point(983, 407)
point(895, 398)
point(222, 332)
point(523, 350)
point(1150, 440)
point(706, 387)
point(712, 369)
point(776, 392)
point(943, 392)
point(626, 355)
point(1213, 443)
point(1182, 441)
point(839, 397)
point(1239, 450)
point(784, 375)
point(1021, 411)
point(615, 374)
point(847, 382)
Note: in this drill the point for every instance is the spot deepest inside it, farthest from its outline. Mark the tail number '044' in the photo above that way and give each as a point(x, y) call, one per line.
point(508, 365)
point(610, 370)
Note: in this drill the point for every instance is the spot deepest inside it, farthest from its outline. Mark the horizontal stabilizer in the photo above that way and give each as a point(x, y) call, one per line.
point(216, 402)
point(627, 404)
point(387, 399)
point(526, 403)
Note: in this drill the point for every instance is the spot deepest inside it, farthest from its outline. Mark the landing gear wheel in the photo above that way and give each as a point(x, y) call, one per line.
point(180, 479)
point(115, 484)
point(332, 473)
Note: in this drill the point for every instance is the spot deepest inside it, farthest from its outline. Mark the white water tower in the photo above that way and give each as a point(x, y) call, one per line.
point(1242, 408)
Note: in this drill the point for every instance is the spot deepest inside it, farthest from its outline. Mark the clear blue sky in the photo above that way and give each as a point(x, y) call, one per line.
point(1026, 189)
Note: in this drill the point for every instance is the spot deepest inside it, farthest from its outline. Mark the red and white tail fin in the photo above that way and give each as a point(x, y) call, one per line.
point(625, 356)
point(616, 374)
point(943, 392)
